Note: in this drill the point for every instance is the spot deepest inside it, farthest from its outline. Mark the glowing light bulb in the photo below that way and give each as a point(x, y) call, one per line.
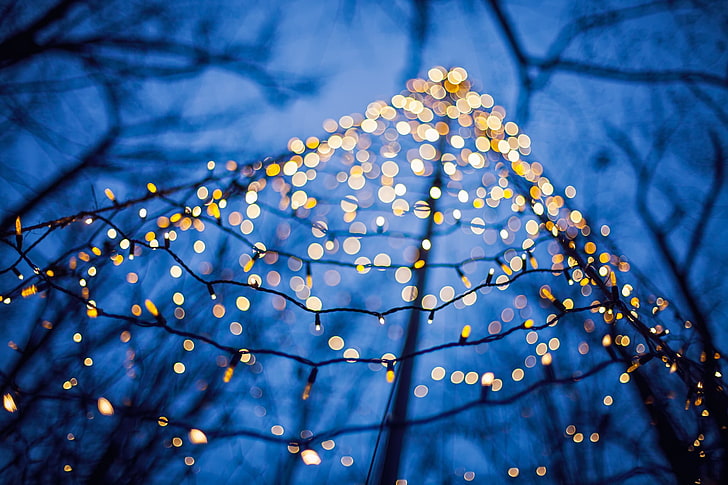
point(28, 291)
point(506, 269)
point(18, 233)
point(309, 278)
point(465, 333)
point(317, 323)
point(105, 406)
point(390, 372)
point(9, 403)
point(463, 278)
point(231, 368)
point(197, 437)
point(309, 384)
point(310, 457)
point(533, 261)
point(151, 307)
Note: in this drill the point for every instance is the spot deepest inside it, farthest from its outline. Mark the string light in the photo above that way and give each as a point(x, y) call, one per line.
point(197, 437)
point(506, 269)
point(390, 371)
point(486, 382)
point(546, 293)
point(18, 233)
point(464, 334)
point(310, 457)
point(475, 137)
point(567, 275)
point(463, 278)
point(614, 286)
point(309, 383)
point(105, 406)
point(230, 369)
point(317, 323)
point(309, 278)
point(9, 403)
point(249, 265)
point(28, 291)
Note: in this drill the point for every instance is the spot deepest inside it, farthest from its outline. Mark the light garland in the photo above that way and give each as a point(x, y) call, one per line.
point(369, 220)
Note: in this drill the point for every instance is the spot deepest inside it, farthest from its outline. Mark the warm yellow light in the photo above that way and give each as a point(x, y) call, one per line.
point(309, 383)
point(151, 307)
point(310, 457)
point(487, 379)
point(9, 403)
point(18, 233)
point(390, 376)
point(228, 374)
point(197, 437)
point(105, 406)
point(546, 293)
point(390, 372)
point(306, 391)
point(465, 333)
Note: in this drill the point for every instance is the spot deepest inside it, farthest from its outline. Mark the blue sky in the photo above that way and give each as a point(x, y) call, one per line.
point(625, 109)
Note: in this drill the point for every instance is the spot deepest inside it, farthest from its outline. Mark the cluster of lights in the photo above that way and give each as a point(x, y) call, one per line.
point(371, 200)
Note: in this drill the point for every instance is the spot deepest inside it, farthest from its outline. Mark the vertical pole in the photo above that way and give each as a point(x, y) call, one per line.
point(394, 444)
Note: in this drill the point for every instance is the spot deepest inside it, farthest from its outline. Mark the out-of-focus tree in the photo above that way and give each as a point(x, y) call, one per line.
point(672, 189)
point(329, 231)
point(98, 88)
point(637, 90)
point(94, 91)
